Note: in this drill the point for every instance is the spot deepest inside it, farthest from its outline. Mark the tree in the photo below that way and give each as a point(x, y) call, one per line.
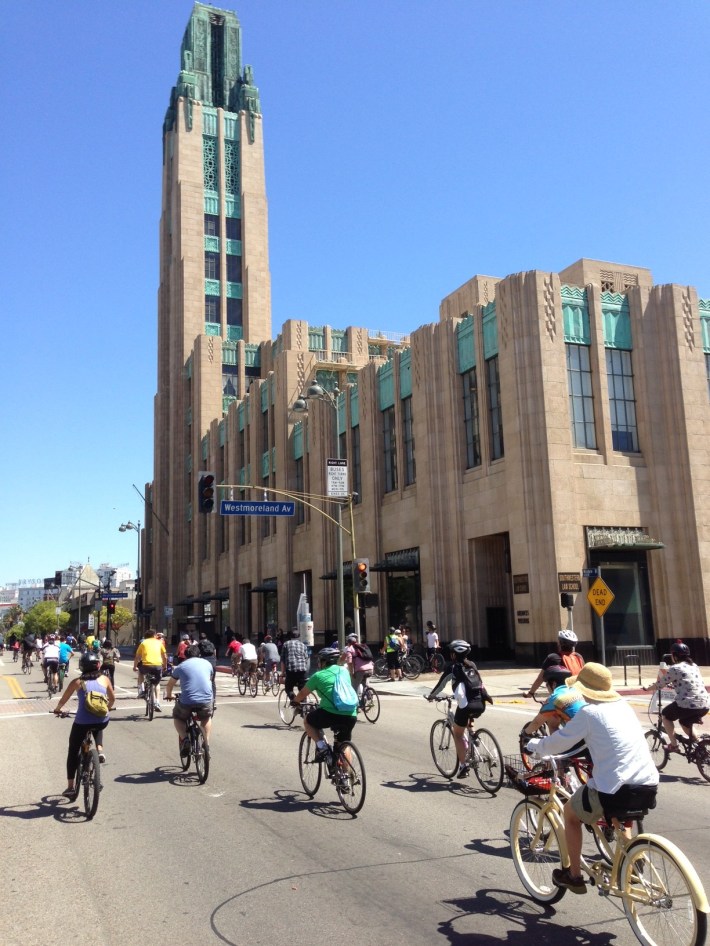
point(119, 617)
point(43, 619)
point(12, 617)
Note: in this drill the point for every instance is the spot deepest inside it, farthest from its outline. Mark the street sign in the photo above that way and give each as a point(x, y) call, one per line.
point(247, 507)
point(569, 581)
point(600, 596)
point(337, 478)
point(590, 572)
point(112, 595)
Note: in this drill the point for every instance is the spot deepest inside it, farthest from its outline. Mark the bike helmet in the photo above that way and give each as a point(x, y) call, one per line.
point(567, 637)
point(680, 650)
point(329, 655)
point(351, 639)
point(184, 637)
point(89, 663)
point(460, 648)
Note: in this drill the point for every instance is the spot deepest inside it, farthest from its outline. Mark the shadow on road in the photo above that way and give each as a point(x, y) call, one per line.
point(522, 922)
point(49, 806)
point(164, 773)
point(288, 801)
point(425, 782)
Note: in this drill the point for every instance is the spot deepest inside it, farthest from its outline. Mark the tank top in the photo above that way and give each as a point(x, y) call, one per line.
point(83, 716)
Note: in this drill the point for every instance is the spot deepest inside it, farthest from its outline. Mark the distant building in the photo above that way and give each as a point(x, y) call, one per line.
point(546, 425)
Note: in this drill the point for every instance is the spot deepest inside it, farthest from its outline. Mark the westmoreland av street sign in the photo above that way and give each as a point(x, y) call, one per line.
point(246, 507)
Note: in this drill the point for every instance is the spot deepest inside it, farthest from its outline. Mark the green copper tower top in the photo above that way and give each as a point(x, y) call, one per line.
point(211, 66)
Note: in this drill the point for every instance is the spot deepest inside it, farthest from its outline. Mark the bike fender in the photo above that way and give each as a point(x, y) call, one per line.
point(698, 891)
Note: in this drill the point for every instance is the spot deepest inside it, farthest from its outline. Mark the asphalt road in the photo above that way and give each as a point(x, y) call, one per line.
point(248, 858)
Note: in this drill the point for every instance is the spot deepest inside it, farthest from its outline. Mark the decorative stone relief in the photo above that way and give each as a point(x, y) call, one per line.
point(688, 328)
point(210, 349)
point(548, 295)
point(504, 313)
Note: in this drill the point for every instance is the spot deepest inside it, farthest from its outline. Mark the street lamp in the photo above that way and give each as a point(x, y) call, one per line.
point(127, 527)
point(317, 393)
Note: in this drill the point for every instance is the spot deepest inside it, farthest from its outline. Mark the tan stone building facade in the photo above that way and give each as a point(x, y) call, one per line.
point(546, 425)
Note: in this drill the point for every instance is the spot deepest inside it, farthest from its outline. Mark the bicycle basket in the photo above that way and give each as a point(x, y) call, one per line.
point(537, 781)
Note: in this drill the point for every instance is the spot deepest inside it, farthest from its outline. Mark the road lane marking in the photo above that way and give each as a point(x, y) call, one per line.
point(15, 689)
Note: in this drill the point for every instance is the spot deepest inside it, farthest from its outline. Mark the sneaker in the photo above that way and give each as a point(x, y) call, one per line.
point(322, 755)
point(141, 693)
point(158, 708)
point(670, 749)
point(463, 771)
point(71, 793)
point(102, 756)
point(561, 877)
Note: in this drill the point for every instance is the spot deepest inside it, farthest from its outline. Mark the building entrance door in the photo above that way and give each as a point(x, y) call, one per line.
point(628, 623)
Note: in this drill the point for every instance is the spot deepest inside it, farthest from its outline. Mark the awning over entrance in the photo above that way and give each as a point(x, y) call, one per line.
point(608, 538)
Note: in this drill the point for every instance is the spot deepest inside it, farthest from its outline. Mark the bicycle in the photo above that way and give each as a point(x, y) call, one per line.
point(247, 680)
point(412, 665)
point(343, 766)
point(63, 671)
point(151, 681)
point(436, 662)
point(197, 750)
point(270, 681)
point(87, 780)
point(15, 656)
point(695, 751)
point(368, 703)
point(484, 755)
point(27, 663)
point(663, 898)
point(52, 683)
point(288, 710)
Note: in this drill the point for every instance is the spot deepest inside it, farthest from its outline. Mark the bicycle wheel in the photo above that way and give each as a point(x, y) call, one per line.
point(605, 838)
point(535, 846)
point(253, 684)
point(275, 684)
point(380, 668)
point(529, 761)
point(657, 742)
point(411, 668)
point(443, 748)
point(242, 683)
point(286, 711)
point(702, 757)
point(149, 701)
point(661, 893)
point(370, 705)
point(487, 760)
point(265, 684)
point(202, 756)
point(350, 782)
point(311, 772)
point(91, 782)
point(437, 662)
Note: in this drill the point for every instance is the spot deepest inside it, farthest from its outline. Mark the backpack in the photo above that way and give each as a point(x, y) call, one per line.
point(344, 697)
point(206, 648)
point(95, 703)
point(363, 652)
point(573, 662)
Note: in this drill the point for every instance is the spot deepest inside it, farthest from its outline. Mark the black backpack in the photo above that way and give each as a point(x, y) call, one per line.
point(363, 651)
point(206, 648)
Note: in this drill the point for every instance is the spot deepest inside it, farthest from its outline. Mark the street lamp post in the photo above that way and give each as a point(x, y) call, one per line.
point(127, 527)
point(317, 393)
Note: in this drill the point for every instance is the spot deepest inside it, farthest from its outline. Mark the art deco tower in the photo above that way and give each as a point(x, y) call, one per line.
point(214, 298)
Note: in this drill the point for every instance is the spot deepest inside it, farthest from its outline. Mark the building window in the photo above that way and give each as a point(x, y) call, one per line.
point(298, 487)
point(234, 311)
point(229, 380)
point(211, 265)
point(390, 449)
point(234, 268)
point(495, 415)
point(581, 402)
point(410, 467)
point(356, 471)
point(234, 228)
point(471, 419)
point(622, 403)
point(212, 309)
point(211, 225)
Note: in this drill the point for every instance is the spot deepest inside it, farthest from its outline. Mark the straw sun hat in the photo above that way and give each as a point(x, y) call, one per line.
point(594, 681)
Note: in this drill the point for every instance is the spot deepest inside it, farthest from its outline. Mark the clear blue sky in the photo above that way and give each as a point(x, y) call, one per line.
point(409, 146)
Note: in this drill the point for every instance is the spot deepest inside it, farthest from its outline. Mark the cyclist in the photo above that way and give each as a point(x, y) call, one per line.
point(50, 661)
point(692, 700)
point(358, 659)
point(432, 640)
point(295, 663)
point(2, 644)
point(565, 656)
point(181, 648)
point(391, 649)
point(91, 679)
point(326, 715)
point(15, 650)
point(150, 660)
point(248, 656)
point(233, 652)
point(470, 693)
point(29, 646)
point(196, 678)
point(269, 655)
point(620, 755)
point(110, 656)
point(65, 654)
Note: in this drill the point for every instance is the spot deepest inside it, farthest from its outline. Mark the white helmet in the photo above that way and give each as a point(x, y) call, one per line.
point(568, 637)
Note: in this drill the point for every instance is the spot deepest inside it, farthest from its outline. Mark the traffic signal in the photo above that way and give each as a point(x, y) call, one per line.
point(361, 575)
point(206, 492)
point(111, 607)
point(566, 600)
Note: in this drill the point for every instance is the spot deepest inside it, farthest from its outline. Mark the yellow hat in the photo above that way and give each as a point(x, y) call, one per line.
point(594, 681)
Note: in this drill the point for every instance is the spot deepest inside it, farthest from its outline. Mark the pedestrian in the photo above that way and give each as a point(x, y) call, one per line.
point(432, 640)
point(391, 649)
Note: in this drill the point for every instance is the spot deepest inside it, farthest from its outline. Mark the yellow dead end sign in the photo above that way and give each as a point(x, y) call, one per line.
point(600, 596)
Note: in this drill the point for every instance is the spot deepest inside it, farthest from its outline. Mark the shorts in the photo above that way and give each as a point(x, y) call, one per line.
point(580, 803)
point(295, 680)
point(393, 660)
point(464, 713)
point(342, 726)
point(248, 666)
point(183, 712)
point(51, 665)
point(150, 670)
point(685, 715)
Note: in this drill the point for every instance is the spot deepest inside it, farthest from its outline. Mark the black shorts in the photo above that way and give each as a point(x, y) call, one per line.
point(393, 660)
point(683, 714)
point(295, 680)
point(463, 714)
point(342, 726)
point(150, 670)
